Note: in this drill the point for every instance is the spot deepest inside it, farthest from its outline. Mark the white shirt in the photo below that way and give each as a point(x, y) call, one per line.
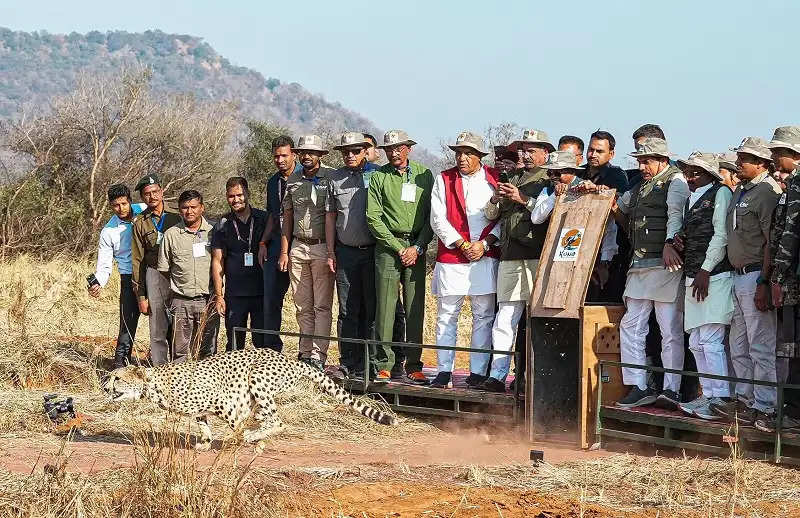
point(476, 278)
point(115, 245)
point(545, 203)
point(717, 247)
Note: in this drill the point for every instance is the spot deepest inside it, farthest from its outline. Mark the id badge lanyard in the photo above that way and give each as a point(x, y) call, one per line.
point(248, 255)
point(159, 225)
point(409, 192)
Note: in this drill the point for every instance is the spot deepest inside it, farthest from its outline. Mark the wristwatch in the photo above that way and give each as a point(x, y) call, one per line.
point(419, 249)
point(761, 280)
point(485, 245)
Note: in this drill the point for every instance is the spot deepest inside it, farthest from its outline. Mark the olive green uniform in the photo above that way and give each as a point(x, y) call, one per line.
point(398, 224)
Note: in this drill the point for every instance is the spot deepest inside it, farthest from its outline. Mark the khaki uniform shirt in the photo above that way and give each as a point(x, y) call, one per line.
point(144, 244)
point(186, 257)
point(749, 219)
point(306, 199)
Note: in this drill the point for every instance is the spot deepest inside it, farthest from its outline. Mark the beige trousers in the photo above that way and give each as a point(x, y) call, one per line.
point(195, 326)
point(312, 288)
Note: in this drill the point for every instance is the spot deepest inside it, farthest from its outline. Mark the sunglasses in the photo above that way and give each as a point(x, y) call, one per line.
point(357, 151)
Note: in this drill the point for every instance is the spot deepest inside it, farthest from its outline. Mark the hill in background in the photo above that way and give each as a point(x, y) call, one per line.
point(36, 66)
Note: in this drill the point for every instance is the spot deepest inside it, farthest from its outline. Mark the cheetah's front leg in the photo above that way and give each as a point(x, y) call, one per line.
point(204, 444)
point(265, 414)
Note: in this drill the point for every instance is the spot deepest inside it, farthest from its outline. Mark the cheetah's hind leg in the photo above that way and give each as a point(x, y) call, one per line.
point(266, 416)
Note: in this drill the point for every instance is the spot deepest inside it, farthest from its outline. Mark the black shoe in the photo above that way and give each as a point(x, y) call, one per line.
point(668, 400)
point(442, 380)
point(492, 385)
point(728, 408)
point(748, 416)
point(474, 380)
point(398, 372)
point(768, 422)
point(638, 397)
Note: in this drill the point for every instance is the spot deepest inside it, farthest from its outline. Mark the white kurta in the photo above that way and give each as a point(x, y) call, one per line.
point(479, 277)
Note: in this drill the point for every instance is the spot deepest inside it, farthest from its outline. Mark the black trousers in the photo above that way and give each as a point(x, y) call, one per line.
point(789, 332)
point(355, 287)
point(276, 284)
point(128, 320)
point(237, 309)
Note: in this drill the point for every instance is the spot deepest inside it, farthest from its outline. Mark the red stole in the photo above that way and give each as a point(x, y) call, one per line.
point(457, 214)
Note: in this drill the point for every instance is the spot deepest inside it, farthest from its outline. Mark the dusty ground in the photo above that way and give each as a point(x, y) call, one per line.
point(329, 462)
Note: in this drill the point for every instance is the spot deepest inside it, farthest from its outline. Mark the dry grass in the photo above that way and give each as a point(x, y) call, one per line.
point(49, 299)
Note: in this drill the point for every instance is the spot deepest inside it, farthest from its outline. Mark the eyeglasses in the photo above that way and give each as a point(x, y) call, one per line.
point(356, 152)
point(395, 149)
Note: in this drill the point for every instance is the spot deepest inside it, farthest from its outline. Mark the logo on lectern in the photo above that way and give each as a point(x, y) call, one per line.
point(569, 244)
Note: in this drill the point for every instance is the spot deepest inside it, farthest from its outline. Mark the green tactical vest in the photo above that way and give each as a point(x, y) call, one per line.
point(698, 229)
point(648, 223)
point(521, 239)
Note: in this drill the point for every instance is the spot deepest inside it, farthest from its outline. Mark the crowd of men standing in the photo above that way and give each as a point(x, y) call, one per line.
point(706, 247)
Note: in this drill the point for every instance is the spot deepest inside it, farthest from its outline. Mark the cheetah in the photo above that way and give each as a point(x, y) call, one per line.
point(231, 386)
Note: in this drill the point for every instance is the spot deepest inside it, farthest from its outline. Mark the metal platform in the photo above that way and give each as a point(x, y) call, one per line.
point(674, 429)
point(459, 401)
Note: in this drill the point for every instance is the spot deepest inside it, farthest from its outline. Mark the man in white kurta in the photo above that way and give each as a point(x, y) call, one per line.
point(466, 262)
point(708, 302)
point(655, 210)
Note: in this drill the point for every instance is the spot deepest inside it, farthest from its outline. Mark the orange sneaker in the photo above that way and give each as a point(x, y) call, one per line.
point(417, 378)
point(382, 377)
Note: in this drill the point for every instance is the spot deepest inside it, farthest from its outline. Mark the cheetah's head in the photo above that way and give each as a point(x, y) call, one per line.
point(126, 383)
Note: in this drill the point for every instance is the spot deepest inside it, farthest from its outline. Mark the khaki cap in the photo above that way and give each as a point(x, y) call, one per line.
point(755, 146)
point(533, 136)
point(396, 137)
point(352, 139)
point(469, 140)
point(652, 146)
point(562, 160)
point(727, 160)
point(786, 137)
point(310, 143)
point(706, 161)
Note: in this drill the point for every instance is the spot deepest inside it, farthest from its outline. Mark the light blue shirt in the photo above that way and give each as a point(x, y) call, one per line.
point(115, 245)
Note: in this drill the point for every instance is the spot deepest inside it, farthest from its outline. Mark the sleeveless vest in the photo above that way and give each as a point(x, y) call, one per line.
point(521, 239)
point(698, 227)
point(457, 214)
point(648, 224)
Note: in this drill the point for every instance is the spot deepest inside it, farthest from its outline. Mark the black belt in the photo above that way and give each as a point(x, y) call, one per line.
point(405, 235)
point(364, 247)
point(748, 268)
point(309, 241)
point(184, 297)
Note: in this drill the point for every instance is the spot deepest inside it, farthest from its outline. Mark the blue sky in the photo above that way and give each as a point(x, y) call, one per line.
point(710, 72)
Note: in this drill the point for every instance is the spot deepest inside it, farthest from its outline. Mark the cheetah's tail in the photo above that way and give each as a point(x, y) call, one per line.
point(329, 386)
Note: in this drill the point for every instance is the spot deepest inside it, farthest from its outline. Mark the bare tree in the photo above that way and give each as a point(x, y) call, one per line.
point(111, 130)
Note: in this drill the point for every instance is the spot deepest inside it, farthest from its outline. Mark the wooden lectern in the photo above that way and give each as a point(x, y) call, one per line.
point(567, 337)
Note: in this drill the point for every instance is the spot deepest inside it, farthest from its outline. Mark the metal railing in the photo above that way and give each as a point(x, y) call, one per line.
point(366, 343)
point(650, 368)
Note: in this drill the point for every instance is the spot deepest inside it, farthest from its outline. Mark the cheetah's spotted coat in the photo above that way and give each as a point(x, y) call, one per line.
point(231, 386)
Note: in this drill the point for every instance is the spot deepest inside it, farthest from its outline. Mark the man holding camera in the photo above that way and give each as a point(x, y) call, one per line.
point(115, 246)
point(151, 288)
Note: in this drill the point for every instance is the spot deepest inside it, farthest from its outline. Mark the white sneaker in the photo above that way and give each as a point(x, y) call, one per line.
point(688, 408)
point(705, 412)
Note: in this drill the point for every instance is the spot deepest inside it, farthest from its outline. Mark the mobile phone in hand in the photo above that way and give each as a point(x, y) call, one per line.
point(92, 280)
point(503, 177)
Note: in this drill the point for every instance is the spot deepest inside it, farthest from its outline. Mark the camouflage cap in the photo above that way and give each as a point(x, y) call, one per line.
point(148, 179)
point(396, 137)
point(562, 160)
point(533, 136)
point(727, 160)
point(652, 146)
point(755, 146)
point(786, 137)
point(352, 139)
point(706, 161)
point(311, 143)
point(469, 140)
